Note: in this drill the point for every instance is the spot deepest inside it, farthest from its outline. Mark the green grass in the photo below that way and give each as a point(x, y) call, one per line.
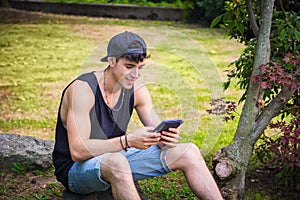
point(41, 54)
point(168, 187)
point(36, 59)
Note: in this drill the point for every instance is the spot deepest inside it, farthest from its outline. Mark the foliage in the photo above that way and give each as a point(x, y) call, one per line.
point(168, 3)
point(273, 77)
point(282, 150)
point(285, 37)
point(38, 172)
point(194, 10)
point(202, 10)
point(222, 107)
point(20, 168)
point(233, 20)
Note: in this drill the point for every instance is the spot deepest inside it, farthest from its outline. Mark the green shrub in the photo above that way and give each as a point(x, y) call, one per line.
point(202, 11)
point(169, 3)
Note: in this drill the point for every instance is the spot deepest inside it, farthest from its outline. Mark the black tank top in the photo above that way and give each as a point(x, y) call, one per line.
point(105, 123)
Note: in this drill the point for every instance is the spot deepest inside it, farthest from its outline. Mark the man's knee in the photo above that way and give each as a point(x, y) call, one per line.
point(192, 152)
point(115, 166)
point(185, 155)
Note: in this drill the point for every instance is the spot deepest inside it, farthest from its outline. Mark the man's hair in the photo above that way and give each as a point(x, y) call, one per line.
point(134, 57)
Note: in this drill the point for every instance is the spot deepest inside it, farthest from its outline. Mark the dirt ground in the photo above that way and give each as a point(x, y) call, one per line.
point(262, 182)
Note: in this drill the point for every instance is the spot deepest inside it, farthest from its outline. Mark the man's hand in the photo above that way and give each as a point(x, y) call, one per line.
point(170, 138)
point(143, 138)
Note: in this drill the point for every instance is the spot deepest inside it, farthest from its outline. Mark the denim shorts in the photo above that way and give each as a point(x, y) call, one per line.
point(85, 177)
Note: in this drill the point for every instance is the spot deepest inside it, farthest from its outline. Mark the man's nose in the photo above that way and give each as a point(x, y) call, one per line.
point(135, 72)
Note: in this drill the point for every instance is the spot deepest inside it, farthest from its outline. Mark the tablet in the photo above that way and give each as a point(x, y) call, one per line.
point(166, 124)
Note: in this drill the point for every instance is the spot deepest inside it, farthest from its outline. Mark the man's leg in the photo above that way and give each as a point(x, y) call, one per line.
point(116, 170)
point(187, 157)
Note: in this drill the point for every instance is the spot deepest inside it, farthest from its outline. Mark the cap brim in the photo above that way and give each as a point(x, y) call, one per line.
point(104, 59)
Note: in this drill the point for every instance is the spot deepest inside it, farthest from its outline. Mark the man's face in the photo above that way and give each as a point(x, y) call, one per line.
point(127, 72)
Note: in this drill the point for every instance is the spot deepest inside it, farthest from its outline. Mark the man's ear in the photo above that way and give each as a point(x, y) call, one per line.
point(111, 61)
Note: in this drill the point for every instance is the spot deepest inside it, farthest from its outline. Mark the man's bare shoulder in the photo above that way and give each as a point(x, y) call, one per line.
point(79, 89)
point(78, 93)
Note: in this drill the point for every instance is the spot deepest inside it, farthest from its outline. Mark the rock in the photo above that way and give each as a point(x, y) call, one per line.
point(25, 150)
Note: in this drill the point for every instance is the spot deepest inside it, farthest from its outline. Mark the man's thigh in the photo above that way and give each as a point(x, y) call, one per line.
point(85, 177)
point(147, 163)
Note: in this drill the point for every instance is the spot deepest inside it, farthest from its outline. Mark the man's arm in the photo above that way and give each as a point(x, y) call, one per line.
point(147, 115)
point(79, 101)
point(144, 107)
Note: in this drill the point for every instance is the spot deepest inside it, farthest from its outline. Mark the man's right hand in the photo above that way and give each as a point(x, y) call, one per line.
point(143, 138)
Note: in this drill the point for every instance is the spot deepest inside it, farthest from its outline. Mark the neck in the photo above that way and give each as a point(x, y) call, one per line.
point(112, 90)
point(111, 85)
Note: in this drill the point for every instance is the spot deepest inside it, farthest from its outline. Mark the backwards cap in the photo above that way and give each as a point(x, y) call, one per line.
point(126, 42)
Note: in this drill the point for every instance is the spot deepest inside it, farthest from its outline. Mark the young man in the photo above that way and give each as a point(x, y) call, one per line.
point(93, 151)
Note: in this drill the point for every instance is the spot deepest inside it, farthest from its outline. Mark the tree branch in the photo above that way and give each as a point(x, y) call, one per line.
point(275, 106)
point(272, 109)
point(251, 16)
point(282, 8)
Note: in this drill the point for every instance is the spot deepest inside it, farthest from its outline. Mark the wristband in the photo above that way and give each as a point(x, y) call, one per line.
point(127, 145)
point(124, 148)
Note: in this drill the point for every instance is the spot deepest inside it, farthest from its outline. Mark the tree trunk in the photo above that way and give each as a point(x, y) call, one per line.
point(232, 161)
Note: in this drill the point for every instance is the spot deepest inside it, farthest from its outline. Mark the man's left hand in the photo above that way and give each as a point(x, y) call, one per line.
point(170, 138)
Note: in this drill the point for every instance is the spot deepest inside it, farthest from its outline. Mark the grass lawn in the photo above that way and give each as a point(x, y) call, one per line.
point(42, 53)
